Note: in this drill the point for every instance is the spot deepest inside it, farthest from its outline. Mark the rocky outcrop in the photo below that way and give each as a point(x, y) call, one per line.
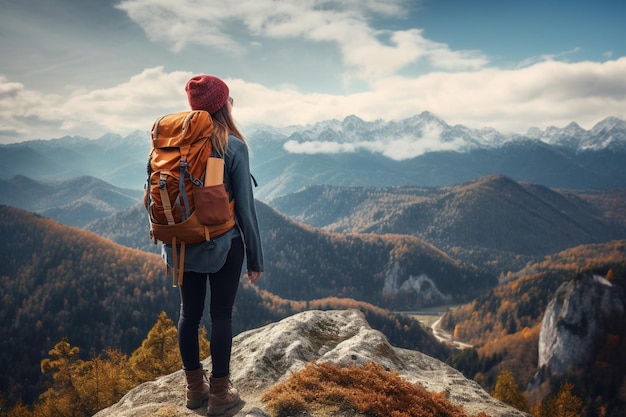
point(264, 356)
point(574, 320)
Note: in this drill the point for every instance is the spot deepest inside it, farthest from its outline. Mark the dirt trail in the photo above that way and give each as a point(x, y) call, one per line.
point(446, 337)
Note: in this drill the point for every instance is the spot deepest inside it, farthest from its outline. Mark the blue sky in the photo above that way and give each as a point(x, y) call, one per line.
point(88, 67)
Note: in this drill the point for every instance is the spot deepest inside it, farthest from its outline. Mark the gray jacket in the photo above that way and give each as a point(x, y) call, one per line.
point(209, 257)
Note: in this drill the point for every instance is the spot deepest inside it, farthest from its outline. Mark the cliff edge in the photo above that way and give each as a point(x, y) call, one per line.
point(264, 356)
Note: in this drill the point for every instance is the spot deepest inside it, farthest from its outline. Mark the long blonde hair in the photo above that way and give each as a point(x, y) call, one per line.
point(223, 125)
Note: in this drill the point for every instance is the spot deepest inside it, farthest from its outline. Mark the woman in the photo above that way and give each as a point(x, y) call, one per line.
point(220, 260)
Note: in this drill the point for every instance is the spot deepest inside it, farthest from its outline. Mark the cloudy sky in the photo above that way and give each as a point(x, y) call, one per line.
point(88, 67)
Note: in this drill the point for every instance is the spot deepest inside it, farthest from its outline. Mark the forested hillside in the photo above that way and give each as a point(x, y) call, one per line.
point(421, 246)
point(493, 222)
point(521, 301)
point(57, 281)
point(303, 263)
point(74, 202)
point(130, 227)
point(393, 271)
point(503, 325)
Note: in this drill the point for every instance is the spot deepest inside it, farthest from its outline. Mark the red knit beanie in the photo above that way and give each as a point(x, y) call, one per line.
point(206, 92)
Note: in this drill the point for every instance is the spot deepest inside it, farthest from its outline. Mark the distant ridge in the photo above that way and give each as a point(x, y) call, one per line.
point(74, 202)
point(420, 150)
point(494, 214)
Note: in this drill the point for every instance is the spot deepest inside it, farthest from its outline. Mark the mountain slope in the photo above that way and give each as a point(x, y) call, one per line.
point(393, 271)
point(129, 227)
point(74, 202)
point(303, 263)
point(58, 281)
point(530, 161)
point(521, 301)
point(493, 215)
point(504, 326)
point(119, 161)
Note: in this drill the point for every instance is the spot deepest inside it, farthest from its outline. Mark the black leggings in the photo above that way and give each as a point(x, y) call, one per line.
point(223, 284)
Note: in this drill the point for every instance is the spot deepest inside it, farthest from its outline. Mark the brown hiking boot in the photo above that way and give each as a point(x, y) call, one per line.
point(197, 388)
point(223, 395)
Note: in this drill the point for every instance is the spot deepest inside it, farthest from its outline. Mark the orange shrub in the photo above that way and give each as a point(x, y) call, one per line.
point(370, 390)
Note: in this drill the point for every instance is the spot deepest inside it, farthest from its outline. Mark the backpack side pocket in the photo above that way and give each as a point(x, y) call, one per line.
point(211, 203)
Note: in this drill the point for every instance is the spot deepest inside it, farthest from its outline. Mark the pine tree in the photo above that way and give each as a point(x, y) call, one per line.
point(104, 380)
point(81, 388)
point(205, 346)
point(62, 398)
point(158, 354)
point(507, 391)
point(18, 410)
point(563, 404)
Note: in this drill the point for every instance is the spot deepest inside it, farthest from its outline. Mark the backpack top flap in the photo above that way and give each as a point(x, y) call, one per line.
point(181, 129)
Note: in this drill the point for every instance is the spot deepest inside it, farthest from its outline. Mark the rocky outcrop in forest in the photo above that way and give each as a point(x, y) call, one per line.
point(578, 315)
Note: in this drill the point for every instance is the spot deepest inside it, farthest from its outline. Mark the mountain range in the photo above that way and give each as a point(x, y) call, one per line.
point(490, 219)
point(397, 215)
point(493, 224)
point(422, 150)
point(63, 281)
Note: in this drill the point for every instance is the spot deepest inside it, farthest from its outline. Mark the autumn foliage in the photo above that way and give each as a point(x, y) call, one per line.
point(369, 390)
point(504, 326)
point(80, 388)
point(507, 391)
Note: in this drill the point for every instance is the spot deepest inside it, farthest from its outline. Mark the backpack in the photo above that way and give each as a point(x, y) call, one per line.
point(184, 194)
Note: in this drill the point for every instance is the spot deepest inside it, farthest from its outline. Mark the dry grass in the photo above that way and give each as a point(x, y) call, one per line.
point(323, 389)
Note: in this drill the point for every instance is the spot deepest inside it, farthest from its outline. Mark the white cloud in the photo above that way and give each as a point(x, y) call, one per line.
point(513, 100)
point(543, 94)
point(406, 147)
point(319, 147)
point(178, 24)
point(409, 147)
point(130, 106)
point(19, 107)
point(367, 53)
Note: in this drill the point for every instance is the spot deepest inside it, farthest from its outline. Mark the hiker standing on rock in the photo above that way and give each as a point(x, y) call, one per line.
point(219, 260)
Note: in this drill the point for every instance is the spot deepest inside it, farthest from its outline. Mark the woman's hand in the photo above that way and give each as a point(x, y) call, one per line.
point(254, 276)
